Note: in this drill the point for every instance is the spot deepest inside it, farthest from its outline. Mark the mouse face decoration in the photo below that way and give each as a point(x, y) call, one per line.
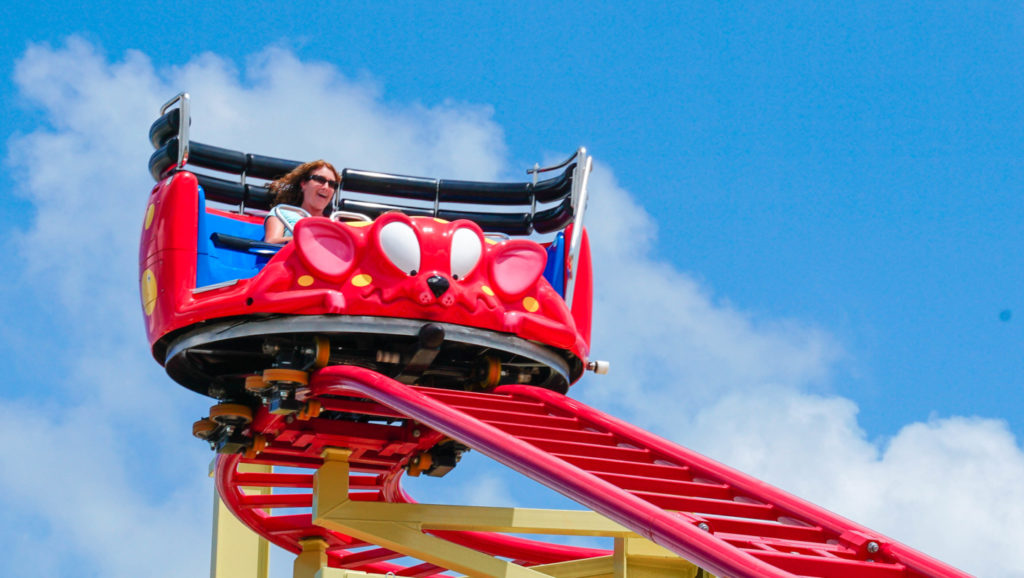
point(419, 268)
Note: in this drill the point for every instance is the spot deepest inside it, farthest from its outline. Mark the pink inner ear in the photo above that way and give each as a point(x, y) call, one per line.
point(517, 267)
point(326, 248)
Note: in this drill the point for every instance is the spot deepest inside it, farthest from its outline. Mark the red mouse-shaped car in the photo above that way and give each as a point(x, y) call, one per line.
point(441, 283)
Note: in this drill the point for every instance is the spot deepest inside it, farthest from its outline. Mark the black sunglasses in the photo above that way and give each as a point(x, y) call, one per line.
point(324, 181)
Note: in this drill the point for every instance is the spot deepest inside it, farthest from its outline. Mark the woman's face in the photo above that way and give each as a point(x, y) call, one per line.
point(315, 195)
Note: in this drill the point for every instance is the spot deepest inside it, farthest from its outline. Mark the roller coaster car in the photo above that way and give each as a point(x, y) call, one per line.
point(429, 284)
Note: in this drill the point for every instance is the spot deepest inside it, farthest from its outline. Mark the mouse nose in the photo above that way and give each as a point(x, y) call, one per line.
point(438, 285)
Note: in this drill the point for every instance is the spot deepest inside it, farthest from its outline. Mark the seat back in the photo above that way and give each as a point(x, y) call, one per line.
point(217, 261)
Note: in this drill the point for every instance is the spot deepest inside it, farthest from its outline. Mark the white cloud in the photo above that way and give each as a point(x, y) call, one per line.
point(96, 496)
point(671, 344)
point(949, 487)
point(111, 464)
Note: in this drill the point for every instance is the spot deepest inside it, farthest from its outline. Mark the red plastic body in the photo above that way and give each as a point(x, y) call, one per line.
point(583, 294)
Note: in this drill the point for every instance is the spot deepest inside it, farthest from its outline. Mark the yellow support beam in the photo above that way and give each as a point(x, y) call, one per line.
point(640, 558)
point(236, 551)
point(484, 519)
point(601, 567)
point(312, 559)
point(400, 527)
point(340, 573)
point(330, 500)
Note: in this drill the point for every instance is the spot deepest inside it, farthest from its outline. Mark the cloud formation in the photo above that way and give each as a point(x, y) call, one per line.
point(111, 430)
point(754, 393)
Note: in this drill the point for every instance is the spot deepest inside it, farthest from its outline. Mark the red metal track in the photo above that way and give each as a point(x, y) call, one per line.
point(720, 519)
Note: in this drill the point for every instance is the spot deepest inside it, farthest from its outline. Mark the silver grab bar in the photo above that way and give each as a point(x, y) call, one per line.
point(184, 120)
point(580, 180)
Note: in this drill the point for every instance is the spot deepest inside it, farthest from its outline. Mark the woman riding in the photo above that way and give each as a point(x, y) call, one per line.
point(310, 187)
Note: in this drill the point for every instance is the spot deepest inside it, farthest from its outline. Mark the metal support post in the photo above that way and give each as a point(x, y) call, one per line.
point(236, 551)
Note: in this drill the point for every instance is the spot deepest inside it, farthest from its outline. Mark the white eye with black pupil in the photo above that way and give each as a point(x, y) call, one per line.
point(399, 243)
point(466, 251)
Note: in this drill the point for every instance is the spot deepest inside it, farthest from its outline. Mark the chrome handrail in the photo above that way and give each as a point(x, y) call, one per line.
point(536, 169)
point(278, 209)
point(580, 180)
point(349, 216)
point(184, 120)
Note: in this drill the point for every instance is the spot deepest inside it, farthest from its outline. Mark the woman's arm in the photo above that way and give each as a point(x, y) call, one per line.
point(273, 231)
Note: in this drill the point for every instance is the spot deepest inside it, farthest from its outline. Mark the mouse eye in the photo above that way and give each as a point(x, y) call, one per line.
point(466, 251)
point(398, 241)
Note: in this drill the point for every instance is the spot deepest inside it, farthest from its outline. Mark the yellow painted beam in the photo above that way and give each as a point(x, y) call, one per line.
point(633, 558)
point(400, 527)
point(600, 567)
point(330, 486)
point(640, 558)
point(330, 482)
point(236, 551)
point(312, 559)
point(485, 519)
point(341, 573)
point(413, 542)
point(635, 548)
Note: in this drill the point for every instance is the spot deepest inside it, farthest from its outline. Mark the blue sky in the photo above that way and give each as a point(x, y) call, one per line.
point(806, 226)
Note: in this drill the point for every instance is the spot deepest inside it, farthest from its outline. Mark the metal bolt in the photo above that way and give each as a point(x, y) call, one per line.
point(872, 547)
point(416, 433)
point(704, 526)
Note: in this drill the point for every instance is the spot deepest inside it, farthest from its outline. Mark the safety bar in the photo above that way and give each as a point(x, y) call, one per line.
point(243, 244)
point(183, 100)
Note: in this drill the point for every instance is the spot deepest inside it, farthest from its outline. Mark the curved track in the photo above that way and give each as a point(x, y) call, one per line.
point(718, 518)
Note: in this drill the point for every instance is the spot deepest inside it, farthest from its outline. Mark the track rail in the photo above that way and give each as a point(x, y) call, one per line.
point(716, 517)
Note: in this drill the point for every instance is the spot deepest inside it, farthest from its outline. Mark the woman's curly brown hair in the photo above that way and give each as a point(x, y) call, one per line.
point(287, 190)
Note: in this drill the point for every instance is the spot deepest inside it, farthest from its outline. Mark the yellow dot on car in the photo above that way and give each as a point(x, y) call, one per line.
point(531, 304)
point(362, 280)
point(487, 290)
point(148, 291)
point(149, 215)
point(305, 280)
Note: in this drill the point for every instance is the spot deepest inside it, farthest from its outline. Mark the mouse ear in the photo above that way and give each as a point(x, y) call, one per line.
point(516, 266)
point(326, 248)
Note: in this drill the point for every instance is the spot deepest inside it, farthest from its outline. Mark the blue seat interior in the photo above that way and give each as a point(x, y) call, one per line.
point(217, 262)
point(554, 271)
